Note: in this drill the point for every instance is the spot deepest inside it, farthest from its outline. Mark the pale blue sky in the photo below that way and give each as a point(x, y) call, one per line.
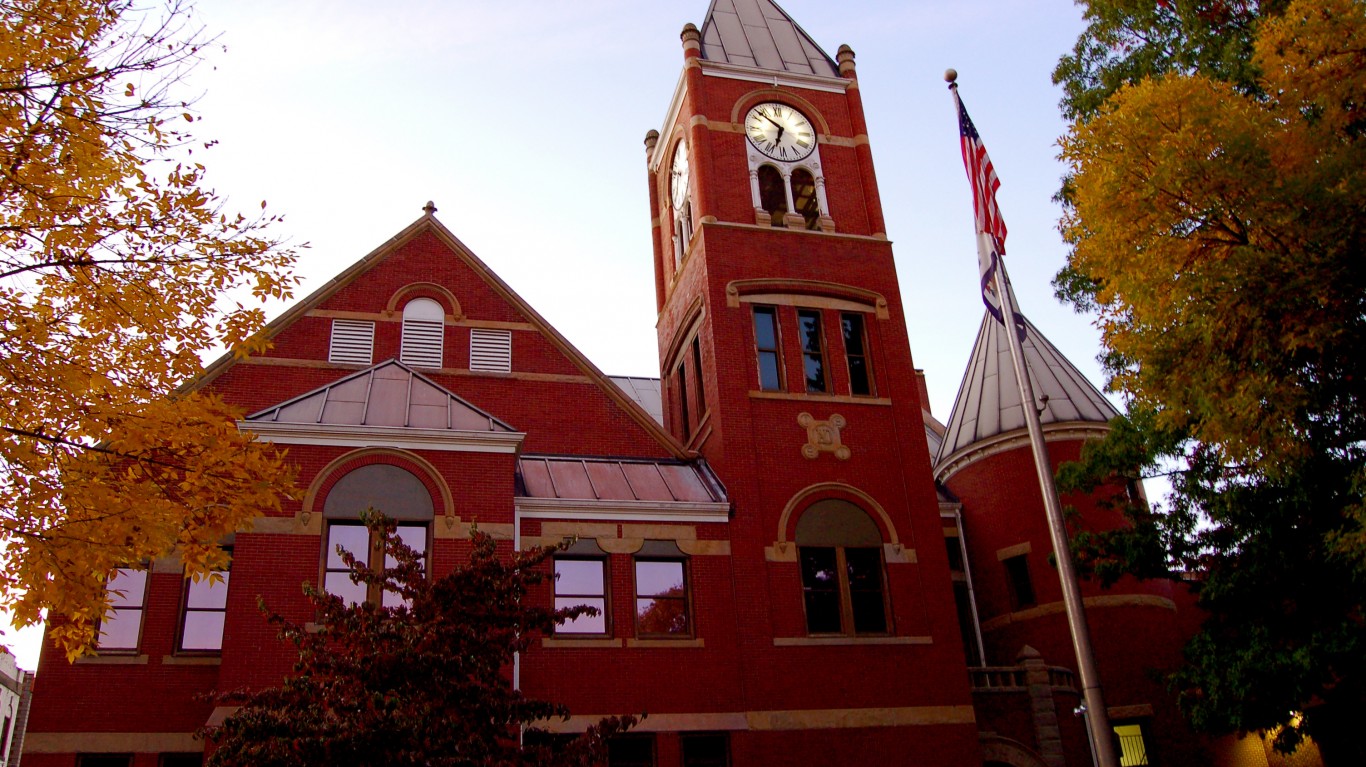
point(524, 121)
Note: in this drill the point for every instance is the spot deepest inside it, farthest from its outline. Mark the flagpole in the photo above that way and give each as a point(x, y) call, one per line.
point(1097, 717)
point(991, 236)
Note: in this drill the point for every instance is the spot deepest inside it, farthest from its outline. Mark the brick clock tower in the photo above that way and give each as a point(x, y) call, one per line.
point(785, 363)
point(778, 578)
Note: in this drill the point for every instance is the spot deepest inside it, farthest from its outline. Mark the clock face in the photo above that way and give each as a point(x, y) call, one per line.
point(780, 132)
point(678, 175)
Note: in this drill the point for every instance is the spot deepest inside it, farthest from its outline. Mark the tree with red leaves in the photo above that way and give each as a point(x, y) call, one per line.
point(422, 683)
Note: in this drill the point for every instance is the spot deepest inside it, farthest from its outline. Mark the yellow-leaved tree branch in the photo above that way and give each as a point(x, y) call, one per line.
point(1216, 209)
point(119, 270)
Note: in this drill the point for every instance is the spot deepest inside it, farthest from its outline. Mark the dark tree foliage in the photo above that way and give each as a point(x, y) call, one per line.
point(424, 683)
point(1241, 357)
point(1285, 631)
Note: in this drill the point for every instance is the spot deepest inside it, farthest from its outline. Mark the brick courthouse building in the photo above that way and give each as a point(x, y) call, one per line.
point(796, 563)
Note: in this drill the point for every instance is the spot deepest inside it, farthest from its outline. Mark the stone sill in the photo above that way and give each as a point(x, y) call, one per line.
point(114, 660)
point(665, 643)
point(848, 641)
point(191, 660)
point(579, 643)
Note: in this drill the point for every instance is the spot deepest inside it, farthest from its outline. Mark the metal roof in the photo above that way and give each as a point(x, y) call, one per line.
point(988, 400)
point(644, 391)
point(757, 33)
point(388, 394)
point(934, 432)
point(617, 479)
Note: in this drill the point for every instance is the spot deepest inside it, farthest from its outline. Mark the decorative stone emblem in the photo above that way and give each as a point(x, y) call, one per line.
point(823, 436)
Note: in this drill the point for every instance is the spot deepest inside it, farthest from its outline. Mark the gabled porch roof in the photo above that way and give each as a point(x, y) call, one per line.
point(389, 404)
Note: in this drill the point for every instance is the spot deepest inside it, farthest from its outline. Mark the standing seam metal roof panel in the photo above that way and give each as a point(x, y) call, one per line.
point(591, 478)
point(645, 392)
point(389, 394)
point(988, 401)
point(757, 33)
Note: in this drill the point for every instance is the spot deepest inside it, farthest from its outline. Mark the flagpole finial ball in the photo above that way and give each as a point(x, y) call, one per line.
point(950, 75)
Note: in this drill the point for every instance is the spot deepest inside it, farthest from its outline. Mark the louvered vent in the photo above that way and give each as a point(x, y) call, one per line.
point(353, 342)
point(421, 343)
point(491, 350)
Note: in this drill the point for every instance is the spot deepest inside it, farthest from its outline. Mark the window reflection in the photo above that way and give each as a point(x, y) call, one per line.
point(122, 626)
point(206, 604)
point(358, 540)
point(661, 598)
point(582, 582)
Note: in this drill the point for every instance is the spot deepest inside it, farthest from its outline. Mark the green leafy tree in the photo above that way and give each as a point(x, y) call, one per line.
point(422, 683)
point(1127, 41)
point(1214, 211)
point(119, 269)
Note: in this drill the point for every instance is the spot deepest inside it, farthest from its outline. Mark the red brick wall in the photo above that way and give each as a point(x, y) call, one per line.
point(1134, 643)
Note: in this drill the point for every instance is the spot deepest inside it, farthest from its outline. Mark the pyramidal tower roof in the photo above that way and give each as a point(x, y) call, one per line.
point(988, 402)
point(757, 33)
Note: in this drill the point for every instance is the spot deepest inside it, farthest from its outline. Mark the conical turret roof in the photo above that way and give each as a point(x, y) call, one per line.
point(988, 402)
point(757, 33)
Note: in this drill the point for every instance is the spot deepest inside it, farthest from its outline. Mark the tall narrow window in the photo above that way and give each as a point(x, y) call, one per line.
point(813, 349)
point(967, 624)
point(804, 197)
point(662, 608)
point(122, 627)
point(1021, 584)
point(856, 354)
point(684, 421)
point(206, 605)
point(354, 538)
point(772, 196)
point(423, 333)
point(393, 491)
point(839, 548)
point(962, 595)
point(766, 345)
point(581, 579)
point(698, 382)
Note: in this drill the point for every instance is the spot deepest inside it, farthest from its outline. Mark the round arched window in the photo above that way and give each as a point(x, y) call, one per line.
point(840, 550)
point(390, 490)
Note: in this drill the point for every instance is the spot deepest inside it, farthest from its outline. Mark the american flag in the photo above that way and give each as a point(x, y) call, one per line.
point(991, 228)
point(983, 178)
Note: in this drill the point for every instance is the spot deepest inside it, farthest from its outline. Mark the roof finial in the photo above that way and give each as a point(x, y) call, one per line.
point(692, 40)
point(429, 208)
point(845, 55)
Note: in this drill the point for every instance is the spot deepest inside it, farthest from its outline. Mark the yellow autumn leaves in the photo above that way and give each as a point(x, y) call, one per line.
point(116, 268)
point(1223, 233)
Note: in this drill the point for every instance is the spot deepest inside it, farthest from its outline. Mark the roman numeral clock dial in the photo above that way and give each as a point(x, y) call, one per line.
point(780, 132)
